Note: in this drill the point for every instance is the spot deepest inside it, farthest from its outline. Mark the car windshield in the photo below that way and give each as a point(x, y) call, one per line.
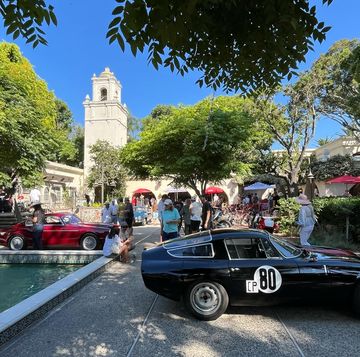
point(191, 239)
point(71, 219)
point(286, 249)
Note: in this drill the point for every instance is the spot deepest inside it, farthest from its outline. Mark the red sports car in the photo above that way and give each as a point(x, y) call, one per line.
point(61, 230)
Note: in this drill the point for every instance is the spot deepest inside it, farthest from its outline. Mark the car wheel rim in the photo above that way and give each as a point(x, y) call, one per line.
point(89, 243)
point(205, 298)
point(16, 243)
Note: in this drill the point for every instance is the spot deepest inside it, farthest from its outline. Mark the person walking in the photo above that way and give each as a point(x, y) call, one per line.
point(129, 215)
point(38, 220)
point(186, 214)
point(170, 218)
point(106, 213)
point(206, 214)
point(114, 212)
point(195, 210)
point(306, 219)
point(160, 209)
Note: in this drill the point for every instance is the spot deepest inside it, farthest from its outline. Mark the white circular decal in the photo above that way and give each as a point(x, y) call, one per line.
point(267, 279)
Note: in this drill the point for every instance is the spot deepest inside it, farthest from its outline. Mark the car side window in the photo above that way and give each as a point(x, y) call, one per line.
point(52, 220)
point(245, 248)
point(200, 251)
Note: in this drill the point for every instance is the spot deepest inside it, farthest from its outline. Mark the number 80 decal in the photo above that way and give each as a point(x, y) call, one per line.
point(267, 279)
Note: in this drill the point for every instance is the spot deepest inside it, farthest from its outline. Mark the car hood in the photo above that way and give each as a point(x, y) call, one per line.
point(333, 253)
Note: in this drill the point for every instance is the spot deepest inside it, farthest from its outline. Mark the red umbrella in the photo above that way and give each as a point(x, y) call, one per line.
point(346, 179)
point(142, 190)
point(211, 190)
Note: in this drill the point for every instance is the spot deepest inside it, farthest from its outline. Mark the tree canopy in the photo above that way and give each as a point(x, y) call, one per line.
point(34, 125)
point(338, 75)
point(235, 44)
point(107, 169)
point(187, 143)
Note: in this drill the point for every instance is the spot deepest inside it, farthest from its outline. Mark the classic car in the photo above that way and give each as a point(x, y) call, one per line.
point(213, 269)
point(61, 230)
point(140, 215)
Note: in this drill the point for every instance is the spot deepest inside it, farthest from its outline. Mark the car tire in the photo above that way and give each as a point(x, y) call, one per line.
point(17, 242)
point(356, 300)
point(206, 300)
point(89, 242)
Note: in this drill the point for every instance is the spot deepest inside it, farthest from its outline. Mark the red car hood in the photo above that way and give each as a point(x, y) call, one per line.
point(328, 253)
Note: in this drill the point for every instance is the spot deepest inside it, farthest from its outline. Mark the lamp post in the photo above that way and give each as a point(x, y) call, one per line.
point(310, 177)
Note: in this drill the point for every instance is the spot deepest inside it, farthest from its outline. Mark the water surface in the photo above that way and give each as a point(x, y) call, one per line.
point(19, 281)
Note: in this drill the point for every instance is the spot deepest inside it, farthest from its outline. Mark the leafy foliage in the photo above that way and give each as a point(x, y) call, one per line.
point(32, 129)
point(26, 17)
point(332, 212)
point(335, 166)
point(188, 145)
point(289, 211)
point(107, 169)
point(235, 44)
point(338, 72)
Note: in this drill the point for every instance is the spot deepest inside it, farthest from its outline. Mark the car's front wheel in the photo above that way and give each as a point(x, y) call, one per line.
point(17, 242)
point(356, 300)
point(88, 242)
point(206, 300)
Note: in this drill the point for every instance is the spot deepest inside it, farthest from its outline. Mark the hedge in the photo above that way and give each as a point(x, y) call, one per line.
point(331, 212)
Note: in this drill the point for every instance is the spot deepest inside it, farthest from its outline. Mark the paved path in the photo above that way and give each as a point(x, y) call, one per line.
point(115, 315)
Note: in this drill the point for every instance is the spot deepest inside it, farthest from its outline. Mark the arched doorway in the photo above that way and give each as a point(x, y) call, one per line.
point(142, 197)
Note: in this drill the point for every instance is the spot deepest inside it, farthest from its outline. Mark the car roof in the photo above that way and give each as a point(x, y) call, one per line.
point(222, 232)
point(212, 235)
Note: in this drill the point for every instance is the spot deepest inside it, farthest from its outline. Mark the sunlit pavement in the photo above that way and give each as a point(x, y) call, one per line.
point(115, 315)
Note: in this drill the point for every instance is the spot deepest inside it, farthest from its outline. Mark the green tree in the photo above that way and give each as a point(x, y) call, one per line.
point(34, 125)
point(292, 126)
point(235, 44)
point(27, 118)
point(338, 75)
point(187, 144)
point(107, 169)
point(335, 166)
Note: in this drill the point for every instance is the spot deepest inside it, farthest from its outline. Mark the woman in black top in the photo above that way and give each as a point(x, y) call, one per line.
point(38, 225)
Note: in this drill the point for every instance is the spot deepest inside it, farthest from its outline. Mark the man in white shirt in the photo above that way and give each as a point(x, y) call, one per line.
point(106, 213)
point(35, 195)
point(114, 212)
point(196, 211)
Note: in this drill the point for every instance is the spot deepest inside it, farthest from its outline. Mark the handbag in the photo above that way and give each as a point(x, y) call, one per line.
point(115, 249)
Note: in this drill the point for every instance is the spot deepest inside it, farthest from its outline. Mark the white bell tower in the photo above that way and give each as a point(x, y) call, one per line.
point(105, 116)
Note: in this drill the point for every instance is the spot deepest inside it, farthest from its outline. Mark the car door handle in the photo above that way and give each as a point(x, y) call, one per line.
point(234, 269)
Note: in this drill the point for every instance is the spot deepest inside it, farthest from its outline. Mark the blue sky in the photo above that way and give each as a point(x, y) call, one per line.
point(78, 48)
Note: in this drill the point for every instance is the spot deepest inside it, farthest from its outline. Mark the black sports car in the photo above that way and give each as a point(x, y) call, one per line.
point(213, 269)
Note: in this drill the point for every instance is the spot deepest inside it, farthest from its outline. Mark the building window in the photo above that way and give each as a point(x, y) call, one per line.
point(103, 94)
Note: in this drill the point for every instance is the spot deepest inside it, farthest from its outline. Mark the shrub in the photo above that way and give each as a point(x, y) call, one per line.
point(289, 210)
point(332, 213)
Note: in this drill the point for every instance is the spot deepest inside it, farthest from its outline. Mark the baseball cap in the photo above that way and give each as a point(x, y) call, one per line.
point(168, 202)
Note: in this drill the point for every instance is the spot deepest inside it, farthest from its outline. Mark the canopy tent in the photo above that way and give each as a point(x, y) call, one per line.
point(175, 190)
point(258, 186)
point(346, 179)
point(141, 190)
point(212, 190)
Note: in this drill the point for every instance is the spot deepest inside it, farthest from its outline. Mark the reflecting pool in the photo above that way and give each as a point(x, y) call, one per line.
point(19, 281)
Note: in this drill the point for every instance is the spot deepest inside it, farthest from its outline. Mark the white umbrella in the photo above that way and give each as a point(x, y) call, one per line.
point(258, 186)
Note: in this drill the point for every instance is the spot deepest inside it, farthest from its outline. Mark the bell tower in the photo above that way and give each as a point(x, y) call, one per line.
point(105, 115)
